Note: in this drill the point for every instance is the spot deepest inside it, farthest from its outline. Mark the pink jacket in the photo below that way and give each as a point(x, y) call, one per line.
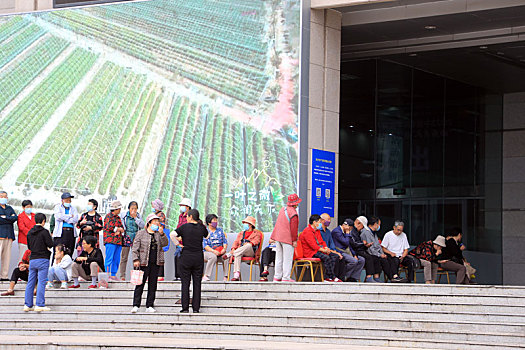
point(285, 231)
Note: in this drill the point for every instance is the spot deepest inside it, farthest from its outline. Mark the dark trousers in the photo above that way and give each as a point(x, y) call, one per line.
point(67, 239)
point(191, 265)
point(408, 262)
point(17, 274)
point(267, 257)
point(151, 273)
point(176, 261)
point(340, 269)
point(329, 262)
point(161, 271)
point(390, 266)
point(372, 263)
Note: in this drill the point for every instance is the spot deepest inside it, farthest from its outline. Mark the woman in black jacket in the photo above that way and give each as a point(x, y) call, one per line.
point(451, 258)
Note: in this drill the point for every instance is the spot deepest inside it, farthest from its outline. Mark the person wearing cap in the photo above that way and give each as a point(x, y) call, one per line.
point(185, 207)
point(7, 235)
point(66, 218)
point(113, 239)
point(214, 247)
point(190, 236)
point(148, 255)
point(158, 206)
point(285, 236)
point(395, 246)
point(426, 252)
point(345, 245)
point(315, 247)
point(375, 258)
point(132, 222)
point(246, 244)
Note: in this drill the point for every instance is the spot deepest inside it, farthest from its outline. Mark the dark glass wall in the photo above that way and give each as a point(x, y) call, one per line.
point(425, 149)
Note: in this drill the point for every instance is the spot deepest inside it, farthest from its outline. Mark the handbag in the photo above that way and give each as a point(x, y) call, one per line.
point(137, 277)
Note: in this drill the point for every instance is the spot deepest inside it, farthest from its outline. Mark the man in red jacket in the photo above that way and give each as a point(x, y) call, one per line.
point(315, 247)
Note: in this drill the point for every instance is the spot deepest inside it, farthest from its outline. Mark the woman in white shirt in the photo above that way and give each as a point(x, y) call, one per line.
point(62, 267)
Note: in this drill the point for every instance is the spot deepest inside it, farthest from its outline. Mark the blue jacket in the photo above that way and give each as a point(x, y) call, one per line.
point(215, 239)
point(342, 240)
point(327, 238)
point(7, 219)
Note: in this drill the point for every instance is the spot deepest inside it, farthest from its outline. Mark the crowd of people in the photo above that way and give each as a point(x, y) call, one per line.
point(73, 248)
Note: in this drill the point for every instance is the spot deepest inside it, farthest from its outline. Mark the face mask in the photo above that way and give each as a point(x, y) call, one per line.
point(28, 211)
point(67, 205)
point(320, 226)
point(378, 228)
point(154, 227)
point(182, 209)
point(246, 227)
point(153, 210)
point(3, 201)
point(89, 208)
point(327, 223)
point(214, 224)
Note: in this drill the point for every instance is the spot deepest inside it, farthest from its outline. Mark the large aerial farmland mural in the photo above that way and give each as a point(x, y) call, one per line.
point(153, 99)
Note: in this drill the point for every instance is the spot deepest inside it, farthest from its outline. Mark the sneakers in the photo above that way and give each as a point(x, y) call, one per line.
point(277, 280)
point(27, 308)
point(328, 280)
point(290, 280)
point(63, 285)
point(337, 280)
point(263, 279)
point(113, 278)
point(42, 308)
point(399, 280)
point(49, 285)
point(205, 278)
point(134, 310)
point(92, 286)
point(160, 279)
point(265, 273)
point(235, 279)
point(8, 293)
point(184, 311)
point(150, 310)
point(73, 286)
point(371, 280)
point(378, 280)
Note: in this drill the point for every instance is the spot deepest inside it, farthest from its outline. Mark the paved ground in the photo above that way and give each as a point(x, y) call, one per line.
point(51, 342)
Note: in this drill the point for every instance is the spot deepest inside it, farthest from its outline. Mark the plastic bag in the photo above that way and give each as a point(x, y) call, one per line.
point(137, 277)
point(103, 278)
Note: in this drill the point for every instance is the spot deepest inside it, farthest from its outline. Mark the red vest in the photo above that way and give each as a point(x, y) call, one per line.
point(282, 231)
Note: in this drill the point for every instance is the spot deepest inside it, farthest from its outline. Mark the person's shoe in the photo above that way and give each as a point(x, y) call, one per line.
point(42, 308)
point(235, 279)
point(196, 311)
point(225, 279)
point(184, 311)
point(113, 278)
point(4, 279)
point(370, 280)
point(351, 279)
point(123, 279)
point(63, 285)
point(8, 293)
point(290, 280)
point(337, 280)
point(378, 280)
point(150, 310)
point(92, 286)
point(263, 279)
point(277, 280)
point(135, 310)
point(27, 308)
point(160, 279)
point(328, 280)
point(73, 286)
point(49, 285)
point(265, 273)
point(399, 280)
point(205, 278)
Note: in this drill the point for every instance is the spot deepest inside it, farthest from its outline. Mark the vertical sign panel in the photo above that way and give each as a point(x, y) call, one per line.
point(323, 182)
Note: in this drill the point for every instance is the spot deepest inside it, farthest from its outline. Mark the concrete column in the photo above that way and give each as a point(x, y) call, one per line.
point(513, 189)
point(325, 54)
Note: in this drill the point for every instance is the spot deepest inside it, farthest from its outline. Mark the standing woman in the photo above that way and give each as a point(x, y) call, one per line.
point(90, 224)
point(132, 223)
point(26, 221)
point(148, 255)
point(285, 236)
point(190, 235)
point(158, 205)
point(113, 233)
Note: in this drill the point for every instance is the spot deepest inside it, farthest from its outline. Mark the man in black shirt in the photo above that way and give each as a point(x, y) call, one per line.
point(190, 236)
point(39, 242)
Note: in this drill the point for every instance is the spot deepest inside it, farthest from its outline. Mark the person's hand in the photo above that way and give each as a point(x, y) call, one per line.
point(161, 229)
point(271, 241)
point(383, 256)
point(462, 247)
point(393, 255)
point(339, 255)
point(368, 245)
point(133, 212)
point(3, 216)
point(216, 252)
point(294, 244)
point(83, 222)
point(356, 258)
point(82, 258)
point(88, 228)
point(22, 268)
point(136, 263)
